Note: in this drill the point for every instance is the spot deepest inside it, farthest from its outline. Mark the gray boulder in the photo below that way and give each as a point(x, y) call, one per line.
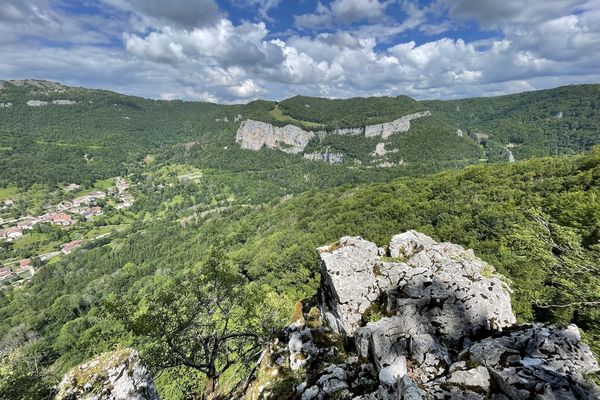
point(117, 375)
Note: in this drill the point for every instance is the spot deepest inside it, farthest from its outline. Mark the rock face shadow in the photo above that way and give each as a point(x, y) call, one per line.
point(435, 321)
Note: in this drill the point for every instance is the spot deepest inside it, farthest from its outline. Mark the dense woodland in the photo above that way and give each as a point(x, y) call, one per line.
point(98, 136)
point(251, 221)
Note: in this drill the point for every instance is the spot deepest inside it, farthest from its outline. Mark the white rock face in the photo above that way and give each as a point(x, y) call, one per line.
point(63, 102)
point(354, 276)
point(255, 135)
point(118, 375)
point(331, 158)
point(5, 105)
point(348, 285)
point(380, 150)
point(387, 129)
point(37, 103)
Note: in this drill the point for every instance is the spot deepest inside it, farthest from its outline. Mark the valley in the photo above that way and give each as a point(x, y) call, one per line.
point(142, 199)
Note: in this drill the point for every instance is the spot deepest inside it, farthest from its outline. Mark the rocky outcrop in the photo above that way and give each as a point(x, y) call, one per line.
point(422, 320)
point(331, 158)
point(380, 150)
point(387, 129)
point(64, 102)
point(255, 135)
point(117, 375)
point(37, 103)
point(509, 155)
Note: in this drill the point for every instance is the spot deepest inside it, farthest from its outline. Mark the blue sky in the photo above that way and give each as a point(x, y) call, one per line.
point(236, 51)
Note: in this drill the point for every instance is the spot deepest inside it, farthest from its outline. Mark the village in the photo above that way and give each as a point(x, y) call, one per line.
point(65, 214)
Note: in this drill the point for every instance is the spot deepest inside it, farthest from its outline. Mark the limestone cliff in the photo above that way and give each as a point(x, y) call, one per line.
point(418, 320)
point(399, 125)
point(255, 135)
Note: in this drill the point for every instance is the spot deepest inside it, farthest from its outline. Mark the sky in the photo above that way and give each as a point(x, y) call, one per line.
point(232, 51)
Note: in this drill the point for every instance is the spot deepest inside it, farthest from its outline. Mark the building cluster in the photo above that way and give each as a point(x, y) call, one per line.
point(27, 223)
point(62, 214)
point(23, 267)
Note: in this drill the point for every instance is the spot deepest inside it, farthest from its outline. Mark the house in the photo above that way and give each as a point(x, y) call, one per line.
point(5, 273)
point(69, 247)
point(65, 205)
point(125, 201)
point(97, 195)
point(91, 212)
point(28, 223)
point(80, 200)
point(25, 266)
point(62, 219)
point(13, 233)
point(121, 184)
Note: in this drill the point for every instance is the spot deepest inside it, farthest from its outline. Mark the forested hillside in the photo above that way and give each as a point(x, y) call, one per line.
point(536, 221)
point(160, 207)
point(53, 134)
point(564, 120)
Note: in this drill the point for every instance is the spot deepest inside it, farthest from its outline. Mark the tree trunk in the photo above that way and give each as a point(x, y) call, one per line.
point(209, 386)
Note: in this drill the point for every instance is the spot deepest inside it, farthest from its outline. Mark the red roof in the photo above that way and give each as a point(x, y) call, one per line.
point(24, 262)
point(61, 217)
point(68, 247)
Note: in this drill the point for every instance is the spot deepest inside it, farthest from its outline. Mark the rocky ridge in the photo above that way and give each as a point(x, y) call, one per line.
point(418, 320)
point(254, 135)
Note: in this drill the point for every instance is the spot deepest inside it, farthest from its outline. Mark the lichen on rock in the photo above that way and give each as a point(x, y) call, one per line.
point(116, 375)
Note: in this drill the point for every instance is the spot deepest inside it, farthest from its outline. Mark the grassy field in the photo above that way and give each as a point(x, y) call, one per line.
point(278, 115)
point(8, 193)
point(102, 230)
point(29, 239)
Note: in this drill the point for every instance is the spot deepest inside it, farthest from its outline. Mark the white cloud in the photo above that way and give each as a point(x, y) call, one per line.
point(211, 58)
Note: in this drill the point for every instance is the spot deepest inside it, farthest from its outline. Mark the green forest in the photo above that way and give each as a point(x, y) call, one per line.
point(242, 232)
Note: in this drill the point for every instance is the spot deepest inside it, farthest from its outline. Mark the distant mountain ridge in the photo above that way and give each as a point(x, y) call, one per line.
point(42, 122)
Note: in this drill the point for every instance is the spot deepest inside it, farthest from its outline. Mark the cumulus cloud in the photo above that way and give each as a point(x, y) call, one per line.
point(205, 55)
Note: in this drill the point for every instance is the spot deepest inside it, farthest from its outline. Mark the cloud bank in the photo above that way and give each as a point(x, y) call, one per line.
point(232, 52)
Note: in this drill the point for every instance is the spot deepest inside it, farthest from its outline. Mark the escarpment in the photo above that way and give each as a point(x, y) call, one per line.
point(418, 320)
point(254, 135)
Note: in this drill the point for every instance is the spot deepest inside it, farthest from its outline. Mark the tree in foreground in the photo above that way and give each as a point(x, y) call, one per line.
point(208, 319)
